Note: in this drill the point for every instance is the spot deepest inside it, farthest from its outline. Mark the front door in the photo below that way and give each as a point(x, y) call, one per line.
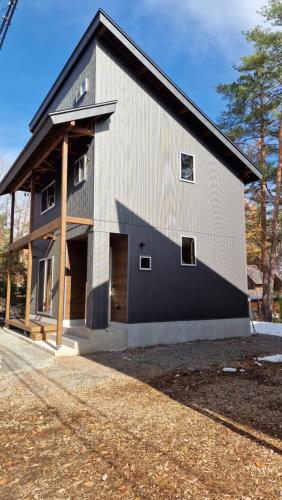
point(75, 280)
point(118, 277)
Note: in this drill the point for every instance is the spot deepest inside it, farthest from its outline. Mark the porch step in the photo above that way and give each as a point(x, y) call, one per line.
point(36, 329)
point(85, 340)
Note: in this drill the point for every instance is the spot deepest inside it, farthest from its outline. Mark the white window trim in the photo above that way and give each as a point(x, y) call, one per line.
point(146, 257)
point(85, 159)
point(195, 246)
point(52, 270)
point(194, 168)
point(44, 189)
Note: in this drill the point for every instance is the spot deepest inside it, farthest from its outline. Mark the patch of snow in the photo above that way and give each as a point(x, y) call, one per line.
point(229, 370)
point(276, 358)
point(257, 363)
point(242, 370)
point(267, 328)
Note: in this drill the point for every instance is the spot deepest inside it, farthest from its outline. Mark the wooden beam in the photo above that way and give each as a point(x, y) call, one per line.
point(79, 220)
point(9, 269)
point(22, 180)
point(47, 231)
point(36, 235)
point(49, 236)
point(62, 257)
point(81, 131)
point(43, 156)
point(49, 164)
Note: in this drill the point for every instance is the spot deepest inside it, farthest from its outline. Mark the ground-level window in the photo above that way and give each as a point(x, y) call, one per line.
point(145, 263)
point(187, 167)
point(48, 197)
point(44, 295)
point(80, 170)
point(188, 251)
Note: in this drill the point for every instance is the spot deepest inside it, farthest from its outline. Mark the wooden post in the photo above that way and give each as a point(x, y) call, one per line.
point(29, 265)
point(62, 256)
point(8, 290)
point(28, 284)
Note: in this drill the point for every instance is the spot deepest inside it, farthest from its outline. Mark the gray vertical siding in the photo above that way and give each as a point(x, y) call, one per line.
point(138, 191)
point(85, 68)
point(133, 187)
point(80, 198)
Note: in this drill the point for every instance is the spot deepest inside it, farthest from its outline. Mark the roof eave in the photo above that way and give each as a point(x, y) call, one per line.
point(57, 118)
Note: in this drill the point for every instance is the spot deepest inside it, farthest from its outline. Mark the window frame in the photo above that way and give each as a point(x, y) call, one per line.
point(194, 167)
point(45, 260)
point(85, 160)
point(145, 268)
point(44, 189)
point(191, 236)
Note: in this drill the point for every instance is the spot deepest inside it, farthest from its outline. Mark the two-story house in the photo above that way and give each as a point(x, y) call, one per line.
point(137, 204)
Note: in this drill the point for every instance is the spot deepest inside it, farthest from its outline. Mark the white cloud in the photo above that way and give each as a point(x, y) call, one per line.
point(214, 23)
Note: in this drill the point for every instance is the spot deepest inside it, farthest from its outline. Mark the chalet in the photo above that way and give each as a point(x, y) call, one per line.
point(137, 205)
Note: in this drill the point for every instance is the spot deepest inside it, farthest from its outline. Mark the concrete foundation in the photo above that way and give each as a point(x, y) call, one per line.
point(146, 334)
point(121, 336)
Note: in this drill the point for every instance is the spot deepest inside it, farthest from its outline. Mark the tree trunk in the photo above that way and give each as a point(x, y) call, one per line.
point(274, 235)
point(263, 209)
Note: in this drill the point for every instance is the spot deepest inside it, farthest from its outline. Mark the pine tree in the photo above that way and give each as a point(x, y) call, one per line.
point(253, 120)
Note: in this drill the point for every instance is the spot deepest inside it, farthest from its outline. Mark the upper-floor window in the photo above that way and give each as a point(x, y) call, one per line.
point(48, 200)
point(188, 251)
point(82, 90)
point(187, 167)
point(80, 170)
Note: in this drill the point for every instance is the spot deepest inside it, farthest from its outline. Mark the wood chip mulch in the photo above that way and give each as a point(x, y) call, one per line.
point(202, 434)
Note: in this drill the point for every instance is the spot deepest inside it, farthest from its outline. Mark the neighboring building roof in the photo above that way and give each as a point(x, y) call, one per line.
point(53, 123)
point(106, 28)
point(255, 274)
point(254, 295)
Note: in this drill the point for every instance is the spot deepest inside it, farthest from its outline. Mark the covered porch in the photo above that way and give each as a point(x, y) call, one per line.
point(48, 148)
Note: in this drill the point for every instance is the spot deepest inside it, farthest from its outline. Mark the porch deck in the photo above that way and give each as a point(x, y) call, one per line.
point(37, 329)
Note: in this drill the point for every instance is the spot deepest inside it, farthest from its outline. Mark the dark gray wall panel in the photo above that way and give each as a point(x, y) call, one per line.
point(138, 191)
point(171, 292)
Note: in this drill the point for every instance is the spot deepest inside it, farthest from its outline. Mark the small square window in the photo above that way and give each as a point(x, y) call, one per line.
point(48, 197)
point(188, 251)
point(145, 263)
point(187, 165)
point(80, 170)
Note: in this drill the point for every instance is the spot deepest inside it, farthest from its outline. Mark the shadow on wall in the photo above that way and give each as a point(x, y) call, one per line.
point(170, 291)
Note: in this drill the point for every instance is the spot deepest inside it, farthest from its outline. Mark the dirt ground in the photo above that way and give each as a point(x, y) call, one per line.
point(158, 423)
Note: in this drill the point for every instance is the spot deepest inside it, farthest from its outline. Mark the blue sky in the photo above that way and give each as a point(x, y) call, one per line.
point(194, 41)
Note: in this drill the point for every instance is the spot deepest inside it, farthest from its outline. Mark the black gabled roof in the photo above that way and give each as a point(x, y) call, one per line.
point(175, 97)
